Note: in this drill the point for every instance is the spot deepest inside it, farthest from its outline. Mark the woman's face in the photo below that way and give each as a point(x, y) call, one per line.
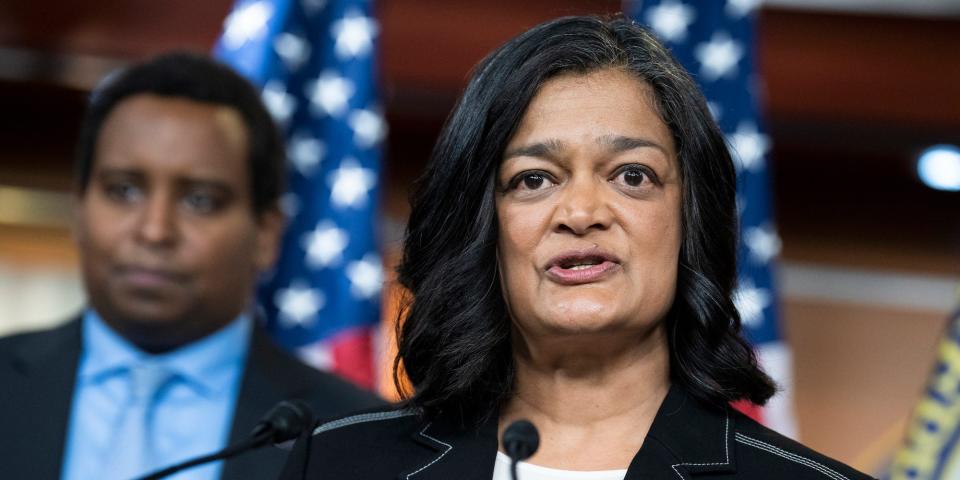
point(589, 209)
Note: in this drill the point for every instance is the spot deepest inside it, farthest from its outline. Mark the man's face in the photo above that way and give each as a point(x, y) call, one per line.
point(170, 247)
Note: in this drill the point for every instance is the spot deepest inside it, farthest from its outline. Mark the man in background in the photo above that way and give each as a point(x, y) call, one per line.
point(179, 172)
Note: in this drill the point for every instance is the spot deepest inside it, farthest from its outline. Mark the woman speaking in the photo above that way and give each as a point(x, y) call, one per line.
point(570, 258)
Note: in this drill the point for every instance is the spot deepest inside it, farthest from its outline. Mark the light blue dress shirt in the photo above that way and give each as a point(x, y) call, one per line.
point(192, 415)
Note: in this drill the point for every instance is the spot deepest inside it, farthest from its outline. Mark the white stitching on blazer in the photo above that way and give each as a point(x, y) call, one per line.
point(362, 418)
point(833, 474)
point(435, 460)
point(726, 448)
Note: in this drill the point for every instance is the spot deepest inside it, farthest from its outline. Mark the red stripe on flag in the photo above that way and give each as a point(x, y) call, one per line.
point(749, 409)
point(352, 353)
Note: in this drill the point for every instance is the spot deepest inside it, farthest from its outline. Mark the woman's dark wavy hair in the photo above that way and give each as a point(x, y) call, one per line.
point(199, 78)
point(455, 342)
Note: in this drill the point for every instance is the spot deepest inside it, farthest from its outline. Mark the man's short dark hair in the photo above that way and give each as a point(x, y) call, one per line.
point(193, 77)
point(455, 344)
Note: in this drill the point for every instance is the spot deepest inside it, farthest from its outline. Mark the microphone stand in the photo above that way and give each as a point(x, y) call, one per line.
point(282, 423)
point(236, 449)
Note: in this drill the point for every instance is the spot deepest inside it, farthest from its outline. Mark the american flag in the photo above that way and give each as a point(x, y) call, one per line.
point(715, 40)
point(314, 61)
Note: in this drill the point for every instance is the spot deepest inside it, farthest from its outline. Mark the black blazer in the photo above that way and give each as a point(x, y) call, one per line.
point(37, 376)
point(687, 441)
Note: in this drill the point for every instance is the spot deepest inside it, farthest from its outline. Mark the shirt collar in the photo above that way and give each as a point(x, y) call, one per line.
point(209, 364)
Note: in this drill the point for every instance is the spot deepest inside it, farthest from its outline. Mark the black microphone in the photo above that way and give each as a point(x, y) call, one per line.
point(520, 440)
point(282, 423)
point(285, 421)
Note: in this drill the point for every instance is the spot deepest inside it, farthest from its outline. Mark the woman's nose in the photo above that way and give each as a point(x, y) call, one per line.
point(582, 207)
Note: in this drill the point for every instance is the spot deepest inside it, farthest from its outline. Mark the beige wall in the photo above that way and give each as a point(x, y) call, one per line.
point(39, 282)
point(858, 371)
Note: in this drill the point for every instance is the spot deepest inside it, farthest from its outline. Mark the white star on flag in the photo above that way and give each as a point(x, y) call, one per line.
point(366, 276)
point(292, 49)
point(354, 35)
point(368, 127)
point(718, 57)
point(670, 20)
point(330, 93)
point(751, 302)
point(350, 183)
point(306, 152)
point(298, 304)
point(280, 103)
point(317, 355)
point(325, 244)
point(748, 147)
point(763, 243)
point(246, 23)
point(739, 8)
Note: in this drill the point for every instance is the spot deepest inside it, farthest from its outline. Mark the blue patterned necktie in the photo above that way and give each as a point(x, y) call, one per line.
point(134, 452)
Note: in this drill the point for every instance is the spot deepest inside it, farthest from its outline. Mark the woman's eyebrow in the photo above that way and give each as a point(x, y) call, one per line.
point(620, 143)
point(546, 149)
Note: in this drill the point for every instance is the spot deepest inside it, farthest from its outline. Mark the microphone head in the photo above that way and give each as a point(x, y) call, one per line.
point(521, 440)
point(286, 420)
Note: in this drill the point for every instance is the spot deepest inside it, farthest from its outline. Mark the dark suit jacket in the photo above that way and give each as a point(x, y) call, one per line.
point(37, 376)
point(687, 441)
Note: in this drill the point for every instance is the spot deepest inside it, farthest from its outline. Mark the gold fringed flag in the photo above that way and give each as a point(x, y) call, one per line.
point(931, 449)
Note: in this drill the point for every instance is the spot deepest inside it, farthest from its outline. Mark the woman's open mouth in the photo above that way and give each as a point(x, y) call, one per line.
point(579, 267)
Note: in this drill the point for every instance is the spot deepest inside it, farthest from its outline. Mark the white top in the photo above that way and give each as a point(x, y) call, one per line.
point(526, 471)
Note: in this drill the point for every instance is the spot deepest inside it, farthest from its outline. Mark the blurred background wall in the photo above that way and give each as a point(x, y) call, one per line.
point(855, 89)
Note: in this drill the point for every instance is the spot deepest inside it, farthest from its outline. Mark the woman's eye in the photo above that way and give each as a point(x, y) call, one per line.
point(531, 181)
point(634, 176)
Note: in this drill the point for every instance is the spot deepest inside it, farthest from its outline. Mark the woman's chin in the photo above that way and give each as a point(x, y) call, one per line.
point(601, 319)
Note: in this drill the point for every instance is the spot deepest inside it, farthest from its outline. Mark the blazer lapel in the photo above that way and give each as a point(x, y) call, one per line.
point(258, 393)
point(37, 407)
point(454, 451)
point(686, 439)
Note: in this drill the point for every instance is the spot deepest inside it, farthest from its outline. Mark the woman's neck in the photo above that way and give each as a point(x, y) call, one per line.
point(592, 400)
